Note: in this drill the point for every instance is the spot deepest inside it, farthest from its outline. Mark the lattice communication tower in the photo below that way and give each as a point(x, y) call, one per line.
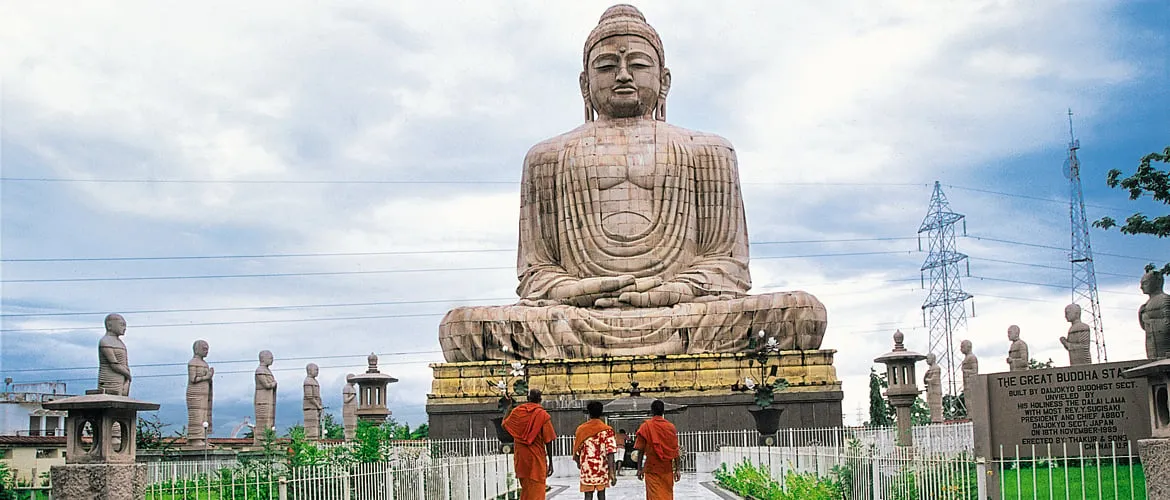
point(945, 308)
point(1084, 276)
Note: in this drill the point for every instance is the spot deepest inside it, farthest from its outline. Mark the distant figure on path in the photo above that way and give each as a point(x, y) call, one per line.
point(658, 461)
point(593, 450)
point(531, 427)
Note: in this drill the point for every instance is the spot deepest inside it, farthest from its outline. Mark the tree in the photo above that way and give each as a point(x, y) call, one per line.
point(1146, 180)
point(330, 428)
point(1036, 365)
point(880, 413)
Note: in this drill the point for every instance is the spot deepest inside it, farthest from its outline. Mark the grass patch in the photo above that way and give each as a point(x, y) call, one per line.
point(1052, 481)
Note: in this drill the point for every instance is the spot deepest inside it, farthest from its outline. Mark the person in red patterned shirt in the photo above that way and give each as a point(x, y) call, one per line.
point(593, 451)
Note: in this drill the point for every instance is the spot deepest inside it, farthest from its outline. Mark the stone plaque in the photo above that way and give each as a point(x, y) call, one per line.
point(1085, 409)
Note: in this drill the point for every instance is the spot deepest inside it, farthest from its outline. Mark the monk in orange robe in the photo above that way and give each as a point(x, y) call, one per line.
point(531, 427)
point(658, 461)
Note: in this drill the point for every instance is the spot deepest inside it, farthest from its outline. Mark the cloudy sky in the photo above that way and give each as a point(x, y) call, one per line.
point(327, 179)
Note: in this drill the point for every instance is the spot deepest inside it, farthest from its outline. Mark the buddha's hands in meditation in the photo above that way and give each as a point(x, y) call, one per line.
point(601, 291)
point(663, 295)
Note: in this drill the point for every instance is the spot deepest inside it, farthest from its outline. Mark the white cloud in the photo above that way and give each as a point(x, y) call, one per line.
point(456, 91)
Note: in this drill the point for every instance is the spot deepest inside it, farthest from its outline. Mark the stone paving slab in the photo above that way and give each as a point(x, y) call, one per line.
point(691, 487)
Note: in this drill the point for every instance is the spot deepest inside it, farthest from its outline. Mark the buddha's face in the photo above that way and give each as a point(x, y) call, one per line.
point(265, 358)
point(312, 370)
point(965, 347)
point(1014, 333)
point(624, 77)
point(201, 348)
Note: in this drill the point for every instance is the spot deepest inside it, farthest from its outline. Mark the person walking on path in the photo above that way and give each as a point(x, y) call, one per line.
point(658, 461)
point(593, 450)
point(531, 427)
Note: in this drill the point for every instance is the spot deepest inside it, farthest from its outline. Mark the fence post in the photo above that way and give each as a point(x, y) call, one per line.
point(282, 488)
point(877, 477)
point(981, 476)
point(422, 483)
point(389, 483)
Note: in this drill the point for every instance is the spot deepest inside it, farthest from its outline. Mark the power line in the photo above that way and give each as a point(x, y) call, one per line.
point(1050, 247)
point(1050, 285)
point(217, 363)
point(1029, 197)
point(403, 252)
point(1043, 266)
point(391, 181)
point(254, 308)
point(380, 271)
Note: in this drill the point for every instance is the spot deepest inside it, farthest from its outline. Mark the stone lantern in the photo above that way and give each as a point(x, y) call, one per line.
point(372, 393)
point(100, 436)
point(903, 389)
point(1155, 452)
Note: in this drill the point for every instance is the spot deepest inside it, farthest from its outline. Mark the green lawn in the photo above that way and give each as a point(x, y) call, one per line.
point(1046, 486)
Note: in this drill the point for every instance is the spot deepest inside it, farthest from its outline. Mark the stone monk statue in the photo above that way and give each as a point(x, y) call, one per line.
point(265, 402)
point(632, 231)
point(312, 404)
point(1077, 341)
point(1017, 359)
point(199, 396)
point(349, 405)
point(113, 363)
point(970, 364)
point(933, 382)
point(1154, 316)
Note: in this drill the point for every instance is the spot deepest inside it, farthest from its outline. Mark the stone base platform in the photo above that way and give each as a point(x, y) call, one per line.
point(105, 481)
point(463, 397)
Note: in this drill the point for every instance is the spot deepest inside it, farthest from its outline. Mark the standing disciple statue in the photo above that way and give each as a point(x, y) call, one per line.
point(199, 396)
point(970, 364)
point(312, 403)
point(1154, 316)
point(632, 235)
point(265, 403)
point(1077, 341)
point(933, 382)
point(113, 363)
point(349, 405)
point(1017, 359)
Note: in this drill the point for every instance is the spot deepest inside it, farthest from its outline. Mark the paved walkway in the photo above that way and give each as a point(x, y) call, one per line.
point(691, 487)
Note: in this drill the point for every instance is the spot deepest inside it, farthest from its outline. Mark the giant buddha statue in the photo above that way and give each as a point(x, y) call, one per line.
point(633, 239)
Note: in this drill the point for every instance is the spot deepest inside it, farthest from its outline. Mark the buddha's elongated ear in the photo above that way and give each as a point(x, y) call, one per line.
point(660, 110)
point(584, 81)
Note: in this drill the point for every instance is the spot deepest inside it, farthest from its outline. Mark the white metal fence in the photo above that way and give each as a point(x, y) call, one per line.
point(1109, 470)
point(863, 475)
point(457, 478)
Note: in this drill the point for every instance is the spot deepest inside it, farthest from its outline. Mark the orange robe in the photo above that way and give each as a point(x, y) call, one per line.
point(531, 427)
point(658, 441)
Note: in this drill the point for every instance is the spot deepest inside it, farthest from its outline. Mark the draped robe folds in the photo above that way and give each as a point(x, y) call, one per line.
point(264, 402)
point(696, 235)
point(200, 396)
